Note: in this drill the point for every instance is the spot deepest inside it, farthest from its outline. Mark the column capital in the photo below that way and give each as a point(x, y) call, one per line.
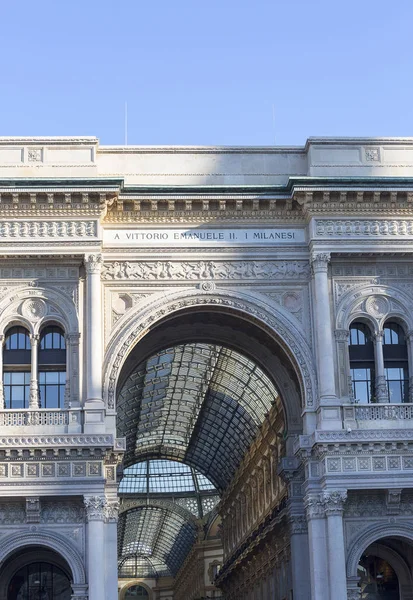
point(342, 335)
point(34, 338)
point(112, 512)
point(319, 261)
point(409, 335)
point(378, 336)
point(93, 263)
point(72, 338)
point(334, 502)
point(314, 506)
point(95, 507)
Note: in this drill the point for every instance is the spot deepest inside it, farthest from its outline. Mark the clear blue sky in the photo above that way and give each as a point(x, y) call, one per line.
point(206, 72)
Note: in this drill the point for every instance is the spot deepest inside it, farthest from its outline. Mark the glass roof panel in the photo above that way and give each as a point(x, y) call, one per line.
point(163, 477)
point(198, 403)
point(160, 534)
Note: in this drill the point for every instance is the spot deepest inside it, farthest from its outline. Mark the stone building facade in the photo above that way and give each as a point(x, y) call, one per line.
point(207, 371)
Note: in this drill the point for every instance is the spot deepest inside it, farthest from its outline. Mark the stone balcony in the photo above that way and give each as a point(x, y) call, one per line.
point(378, 416)
point(40, 421)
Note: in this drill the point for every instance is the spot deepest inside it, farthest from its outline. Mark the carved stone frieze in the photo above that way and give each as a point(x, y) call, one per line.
point(58, 511)
point(12, 513)
point(361, 504)
point(15, 230)
point(201, 270)
point(325, 228)
point(33, 509)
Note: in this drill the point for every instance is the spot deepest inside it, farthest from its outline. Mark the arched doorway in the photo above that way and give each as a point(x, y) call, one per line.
point(36, 573)
point(198, 390)
point(378, 579)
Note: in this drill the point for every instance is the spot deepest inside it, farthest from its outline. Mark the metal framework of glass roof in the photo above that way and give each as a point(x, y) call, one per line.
point(155, 540)
point(200, 404)
point(152, 537)
point(196, 408)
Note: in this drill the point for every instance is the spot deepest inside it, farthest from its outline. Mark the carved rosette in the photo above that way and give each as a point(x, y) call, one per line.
point(95, 508)
point(319, 262)
point(334, 502)
point(93, 263)
point(377, 306)
point(34, 309)
point(112, 512)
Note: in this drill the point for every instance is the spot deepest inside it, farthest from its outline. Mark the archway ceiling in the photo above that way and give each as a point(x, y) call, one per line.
point(160, 535)
point(201, 404)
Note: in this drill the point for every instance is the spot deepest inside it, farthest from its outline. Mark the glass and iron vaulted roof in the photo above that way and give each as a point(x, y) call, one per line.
point(153, 541)
point(201, 404)
point(163, 499)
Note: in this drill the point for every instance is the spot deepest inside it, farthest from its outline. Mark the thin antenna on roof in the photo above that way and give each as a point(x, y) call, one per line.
point(126, 123)
point(273, 122)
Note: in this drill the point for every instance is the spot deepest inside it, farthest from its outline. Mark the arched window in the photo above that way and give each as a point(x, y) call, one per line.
point(395, 362)
point(16, 368)
point(52, 367)
point(361, 354)
point(136, 592)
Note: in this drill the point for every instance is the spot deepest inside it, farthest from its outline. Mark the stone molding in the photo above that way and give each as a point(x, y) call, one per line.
point(96, 508)
point(276, 320)
point(205, 270)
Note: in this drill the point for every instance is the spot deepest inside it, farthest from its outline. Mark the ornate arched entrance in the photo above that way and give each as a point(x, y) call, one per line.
point(36, 573)
point(203, 387)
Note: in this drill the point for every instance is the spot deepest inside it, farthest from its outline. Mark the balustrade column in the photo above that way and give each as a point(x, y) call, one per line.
point(93, 264)
point(382, 393)
point(95, 515)
point(410, 358)
point(317, 547)
point(334, 506)
point(2, 405)
point(34, 401)
point(324, 338)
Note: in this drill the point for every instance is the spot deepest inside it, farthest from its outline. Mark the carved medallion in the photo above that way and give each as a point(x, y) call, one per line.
point(34, 309)
point(377, 306)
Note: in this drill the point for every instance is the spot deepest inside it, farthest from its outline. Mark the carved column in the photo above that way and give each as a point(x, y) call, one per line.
point(111, 548)
point(299, 557)
point(324, 339)
point(34, 401)
point(1, 373)
point(410, 356)
point(72, 369)
point(382, 393)
point(317, 547)
point(93, 264)
point(334, 506)
point(95, 516)
point(345, 386)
